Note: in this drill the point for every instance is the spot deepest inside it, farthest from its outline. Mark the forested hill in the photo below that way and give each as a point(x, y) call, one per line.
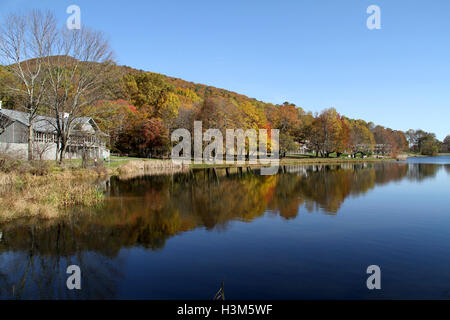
point(202, 90)
point(139, 110)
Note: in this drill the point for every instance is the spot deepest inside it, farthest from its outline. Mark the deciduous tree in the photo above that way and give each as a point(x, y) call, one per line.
point(25, 43)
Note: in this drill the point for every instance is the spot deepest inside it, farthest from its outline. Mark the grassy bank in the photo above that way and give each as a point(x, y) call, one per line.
point(42, 191)
point(130, 166)
point(135, 168)
point(113, 162)
point(116, 161)
point(298, 161)
point(46, 190)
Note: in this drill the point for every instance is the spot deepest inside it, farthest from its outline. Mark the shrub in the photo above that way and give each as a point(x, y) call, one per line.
point(8, 163)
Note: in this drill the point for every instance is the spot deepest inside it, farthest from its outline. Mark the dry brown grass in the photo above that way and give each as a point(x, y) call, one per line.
point(47, 196)
point(137, 168)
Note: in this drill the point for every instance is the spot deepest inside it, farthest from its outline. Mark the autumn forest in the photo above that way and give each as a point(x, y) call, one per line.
point(139, 109)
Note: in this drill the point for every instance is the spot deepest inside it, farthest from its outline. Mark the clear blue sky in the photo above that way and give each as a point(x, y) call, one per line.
point(315, 54)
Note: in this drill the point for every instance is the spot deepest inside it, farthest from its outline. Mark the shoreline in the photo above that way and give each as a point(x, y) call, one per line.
point(25, 194)
point(293, 161)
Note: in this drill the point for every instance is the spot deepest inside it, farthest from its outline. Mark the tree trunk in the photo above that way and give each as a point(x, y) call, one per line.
point(61, 156)
point(57, 150)
point(30, 141)
point(62, 151)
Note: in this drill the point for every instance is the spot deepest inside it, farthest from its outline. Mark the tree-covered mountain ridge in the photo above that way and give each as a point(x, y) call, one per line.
point(139, 110)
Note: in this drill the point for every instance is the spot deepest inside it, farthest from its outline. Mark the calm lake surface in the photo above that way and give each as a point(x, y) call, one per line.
point(308, 233)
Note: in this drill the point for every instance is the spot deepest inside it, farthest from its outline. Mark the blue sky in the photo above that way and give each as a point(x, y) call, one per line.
point(315, 54)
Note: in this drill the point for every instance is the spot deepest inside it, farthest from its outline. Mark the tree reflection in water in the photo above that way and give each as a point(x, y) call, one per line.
point(146, 211)
point(447, 168)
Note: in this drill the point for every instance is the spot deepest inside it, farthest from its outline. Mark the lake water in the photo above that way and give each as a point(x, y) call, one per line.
point(308, 233)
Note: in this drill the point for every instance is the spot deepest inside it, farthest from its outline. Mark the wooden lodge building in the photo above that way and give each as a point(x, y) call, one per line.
point(86, 137)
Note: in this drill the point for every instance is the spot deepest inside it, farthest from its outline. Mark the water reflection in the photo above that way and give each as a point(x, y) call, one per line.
point(34, 260)
point(146, 211)
point(419, 172)
point(447, 168)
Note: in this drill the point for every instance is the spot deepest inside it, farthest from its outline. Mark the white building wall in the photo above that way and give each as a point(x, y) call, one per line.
point(17, 150)
point(20, 151)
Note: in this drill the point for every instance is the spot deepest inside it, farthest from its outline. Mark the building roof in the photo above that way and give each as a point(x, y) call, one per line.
point(44, 123)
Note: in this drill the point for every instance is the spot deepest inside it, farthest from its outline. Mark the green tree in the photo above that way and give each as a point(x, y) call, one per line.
point(287, 144)
point(446, 144)
point(429, 146)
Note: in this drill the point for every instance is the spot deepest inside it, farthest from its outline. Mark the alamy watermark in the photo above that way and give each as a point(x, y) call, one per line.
point(239, 146)
point(374, 20)
point(74, 280)
point(374, 281)
point(73, 22)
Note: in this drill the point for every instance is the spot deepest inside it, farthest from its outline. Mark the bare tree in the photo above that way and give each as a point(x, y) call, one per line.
point(41, 148)
point(25, 43)
point(79, 70)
